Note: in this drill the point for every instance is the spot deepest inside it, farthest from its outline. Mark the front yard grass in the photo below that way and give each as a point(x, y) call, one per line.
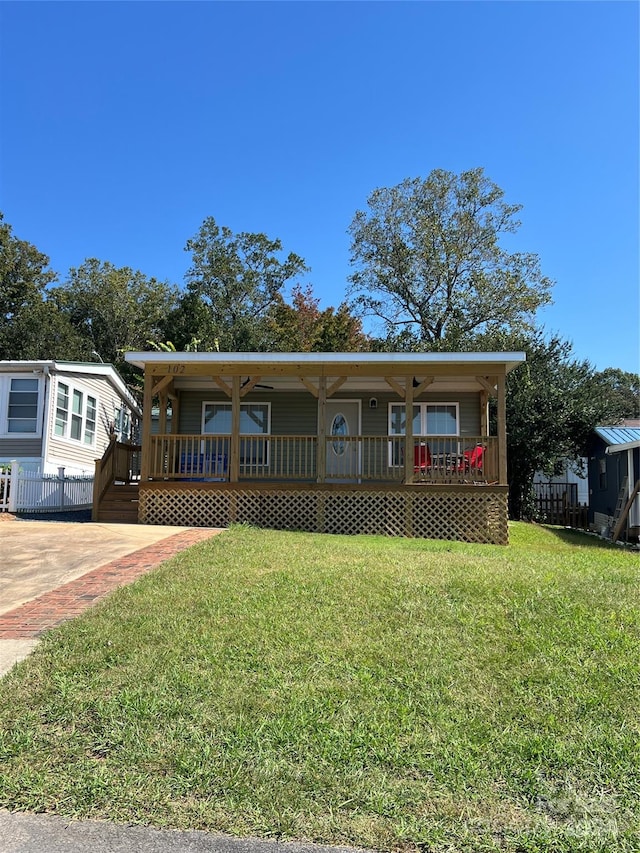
point(395, 694)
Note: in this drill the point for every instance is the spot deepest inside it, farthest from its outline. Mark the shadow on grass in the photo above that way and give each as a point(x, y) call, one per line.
point(582, 539)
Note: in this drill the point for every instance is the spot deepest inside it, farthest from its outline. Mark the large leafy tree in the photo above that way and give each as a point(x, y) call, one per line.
point(239, 278)
point(115, 308)
point(31, 327)
point(428, 261)
point(303, 326)
point(621, 391)
point(553, 403)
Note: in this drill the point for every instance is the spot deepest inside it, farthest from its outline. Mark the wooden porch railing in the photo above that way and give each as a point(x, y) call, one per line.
point(444, 459)
point(120, 463)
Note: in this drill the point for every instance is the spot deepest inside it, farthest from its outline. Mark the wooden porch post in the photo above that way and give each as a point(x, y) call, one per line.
point(409, 453)
point(147, 403)
point(484, 414)
point(162, 423)
point(502, 430)
point(234, 450)
point(321, 449)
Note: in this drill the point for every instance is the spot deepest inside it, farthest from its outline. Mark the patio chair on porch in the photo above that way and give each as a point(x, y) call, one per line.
point(208, 467)
point(421, 459)
point(472, 461)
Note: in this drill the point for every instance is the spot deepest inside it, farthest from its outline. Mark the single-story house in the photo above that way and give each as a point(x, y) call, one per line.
point(62, 414)
point(614, 471)
point(321, 442)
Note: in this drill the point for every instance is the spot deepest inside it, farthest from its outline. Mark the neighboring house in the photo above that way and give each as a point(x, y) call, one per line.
point(320, 442)
point(614, 454)
point(61, 414)
point(578, 484)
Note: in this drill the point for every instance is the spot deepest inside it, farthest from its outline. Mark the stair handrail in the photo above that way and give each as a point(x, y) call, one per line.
point(117, 463)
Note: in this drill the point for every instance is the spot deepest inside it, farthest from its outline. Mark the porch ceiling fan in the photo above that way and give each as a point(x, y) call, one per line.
point(257, 385)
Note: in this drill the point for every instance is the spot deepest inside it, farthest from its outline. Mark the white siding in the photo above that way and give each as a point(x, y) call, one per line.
point(76, 456)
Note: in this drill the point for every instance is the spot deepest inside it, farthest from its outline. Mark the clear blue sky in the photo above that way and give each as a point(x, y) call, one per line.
point(124, 125)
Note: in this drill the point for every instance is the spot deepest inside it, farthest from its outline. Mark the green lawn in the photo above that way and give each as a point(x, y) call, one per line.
point(398, 694)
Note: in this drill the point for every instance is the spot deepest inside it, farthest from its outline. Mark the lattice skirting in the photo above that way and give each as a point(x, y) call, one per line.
point(475, 514)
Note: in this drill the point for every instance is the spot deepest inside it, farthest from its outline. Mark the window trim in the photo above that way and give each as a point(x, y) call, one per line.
point(5, 391)
point(86, 395)
point(423, 405)
point(266, 435)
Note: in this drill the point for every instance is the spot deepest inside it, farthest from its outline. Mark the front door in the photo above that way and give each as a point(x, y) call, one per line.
point(343, 448)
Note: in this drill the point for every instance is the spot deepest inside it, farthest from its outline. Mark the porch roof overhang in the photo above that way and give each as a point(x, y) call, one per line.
point(464, 367)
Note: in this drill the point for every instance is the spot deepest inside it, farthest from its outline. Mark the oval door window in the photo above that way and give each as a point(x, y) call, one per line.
point(339, 426)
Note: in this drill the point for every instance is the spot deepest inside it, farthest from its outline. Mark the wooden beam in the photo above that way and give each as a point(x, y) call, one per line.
point(502, 431)
point(428, 380)
point(234, 450)
point(484, 413)
point(175, 413)
point(321, 450)
point(249, 385)
point(489, 385)
point(395, 368)
point(162, 420)
point(222, 384)
point(391, 382)
point(311, 388)
point(409, 455)
point(336, 385)
point(160, 386)
point(147, 403)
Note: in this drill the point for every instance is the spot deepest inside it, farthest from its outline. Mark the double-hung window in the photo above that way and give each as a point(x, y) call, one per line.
point(22, 408)
point(436, 420)
point(255, 421)
point(76, 414)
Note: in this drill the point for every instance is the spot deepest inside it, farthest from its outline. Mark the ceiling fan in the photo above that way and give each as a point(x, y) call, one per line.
point(257, 385)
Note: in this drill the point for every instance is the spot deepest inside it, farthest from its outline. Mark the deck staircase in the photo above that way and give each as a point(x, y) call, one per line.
point(115, 497)
point(119, 504)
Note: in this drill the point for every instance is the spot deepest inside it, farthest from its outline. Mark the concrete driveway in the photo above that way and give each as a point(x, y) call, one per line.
point(39, 556)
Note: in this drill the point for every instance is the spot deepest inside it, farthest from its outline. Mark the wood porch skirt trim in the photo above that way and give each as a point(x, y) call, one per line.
point(463, 513)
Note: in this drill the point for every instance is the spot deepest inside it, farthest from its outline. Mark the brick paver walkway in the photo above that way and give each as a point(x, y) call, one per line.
point(52, 608)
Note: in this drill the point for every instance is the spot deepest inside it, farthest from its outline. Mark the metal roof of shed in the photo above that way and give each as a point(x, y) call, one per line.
point(620, 438)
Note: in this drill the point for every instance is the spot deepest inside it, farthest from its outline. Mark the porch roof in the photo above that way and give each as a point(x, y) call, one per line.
point(448, 364)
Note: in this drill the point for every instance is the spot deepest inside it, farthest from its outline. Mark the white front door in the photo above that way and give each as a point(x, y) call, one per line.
point(343, 449)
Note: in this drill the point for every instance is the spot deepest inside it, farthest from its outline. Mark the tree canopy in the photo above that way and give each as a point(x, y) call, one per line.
point(303, 326)
point(429, 263)
point(31, 327)
point(114, 309)
point(239, 278)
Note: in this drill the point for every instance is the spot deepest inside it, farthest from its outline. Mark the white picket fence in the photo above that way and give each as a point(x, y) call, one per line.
point(26, 491)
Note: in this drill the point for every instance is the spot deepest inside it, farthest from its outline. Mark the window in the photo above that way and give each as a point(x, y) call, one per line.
point(428, 419)
point(254, 421)
point(76, 415)
point(122, 424)
point(602, 474)
point(62, 409)
point(436, 419)
point(22, 410)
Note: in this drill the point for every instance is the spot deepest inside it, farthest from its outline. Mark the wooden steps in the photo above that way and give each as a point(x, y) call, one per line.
point(120, 504)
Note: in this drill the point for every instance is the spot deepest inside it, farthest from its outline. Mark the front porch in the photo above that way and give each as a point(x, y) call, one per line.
point(321, 442)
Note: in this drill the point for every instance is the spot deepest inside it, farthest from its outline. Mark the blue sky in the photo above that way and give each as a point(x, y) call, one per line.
point(124, 125)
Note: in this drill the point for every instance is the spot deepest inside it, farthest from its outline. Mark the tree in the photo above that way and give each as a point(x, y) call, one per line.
point(553, 403)
point(621, 390)
point(304, 327)
point(114, 308)
point(428, 261)
point(239, 278)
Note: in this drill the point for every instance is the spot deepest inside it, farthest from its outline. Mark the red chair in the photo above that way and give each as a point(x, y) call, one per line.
point(472, 460)
point(421, 458)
